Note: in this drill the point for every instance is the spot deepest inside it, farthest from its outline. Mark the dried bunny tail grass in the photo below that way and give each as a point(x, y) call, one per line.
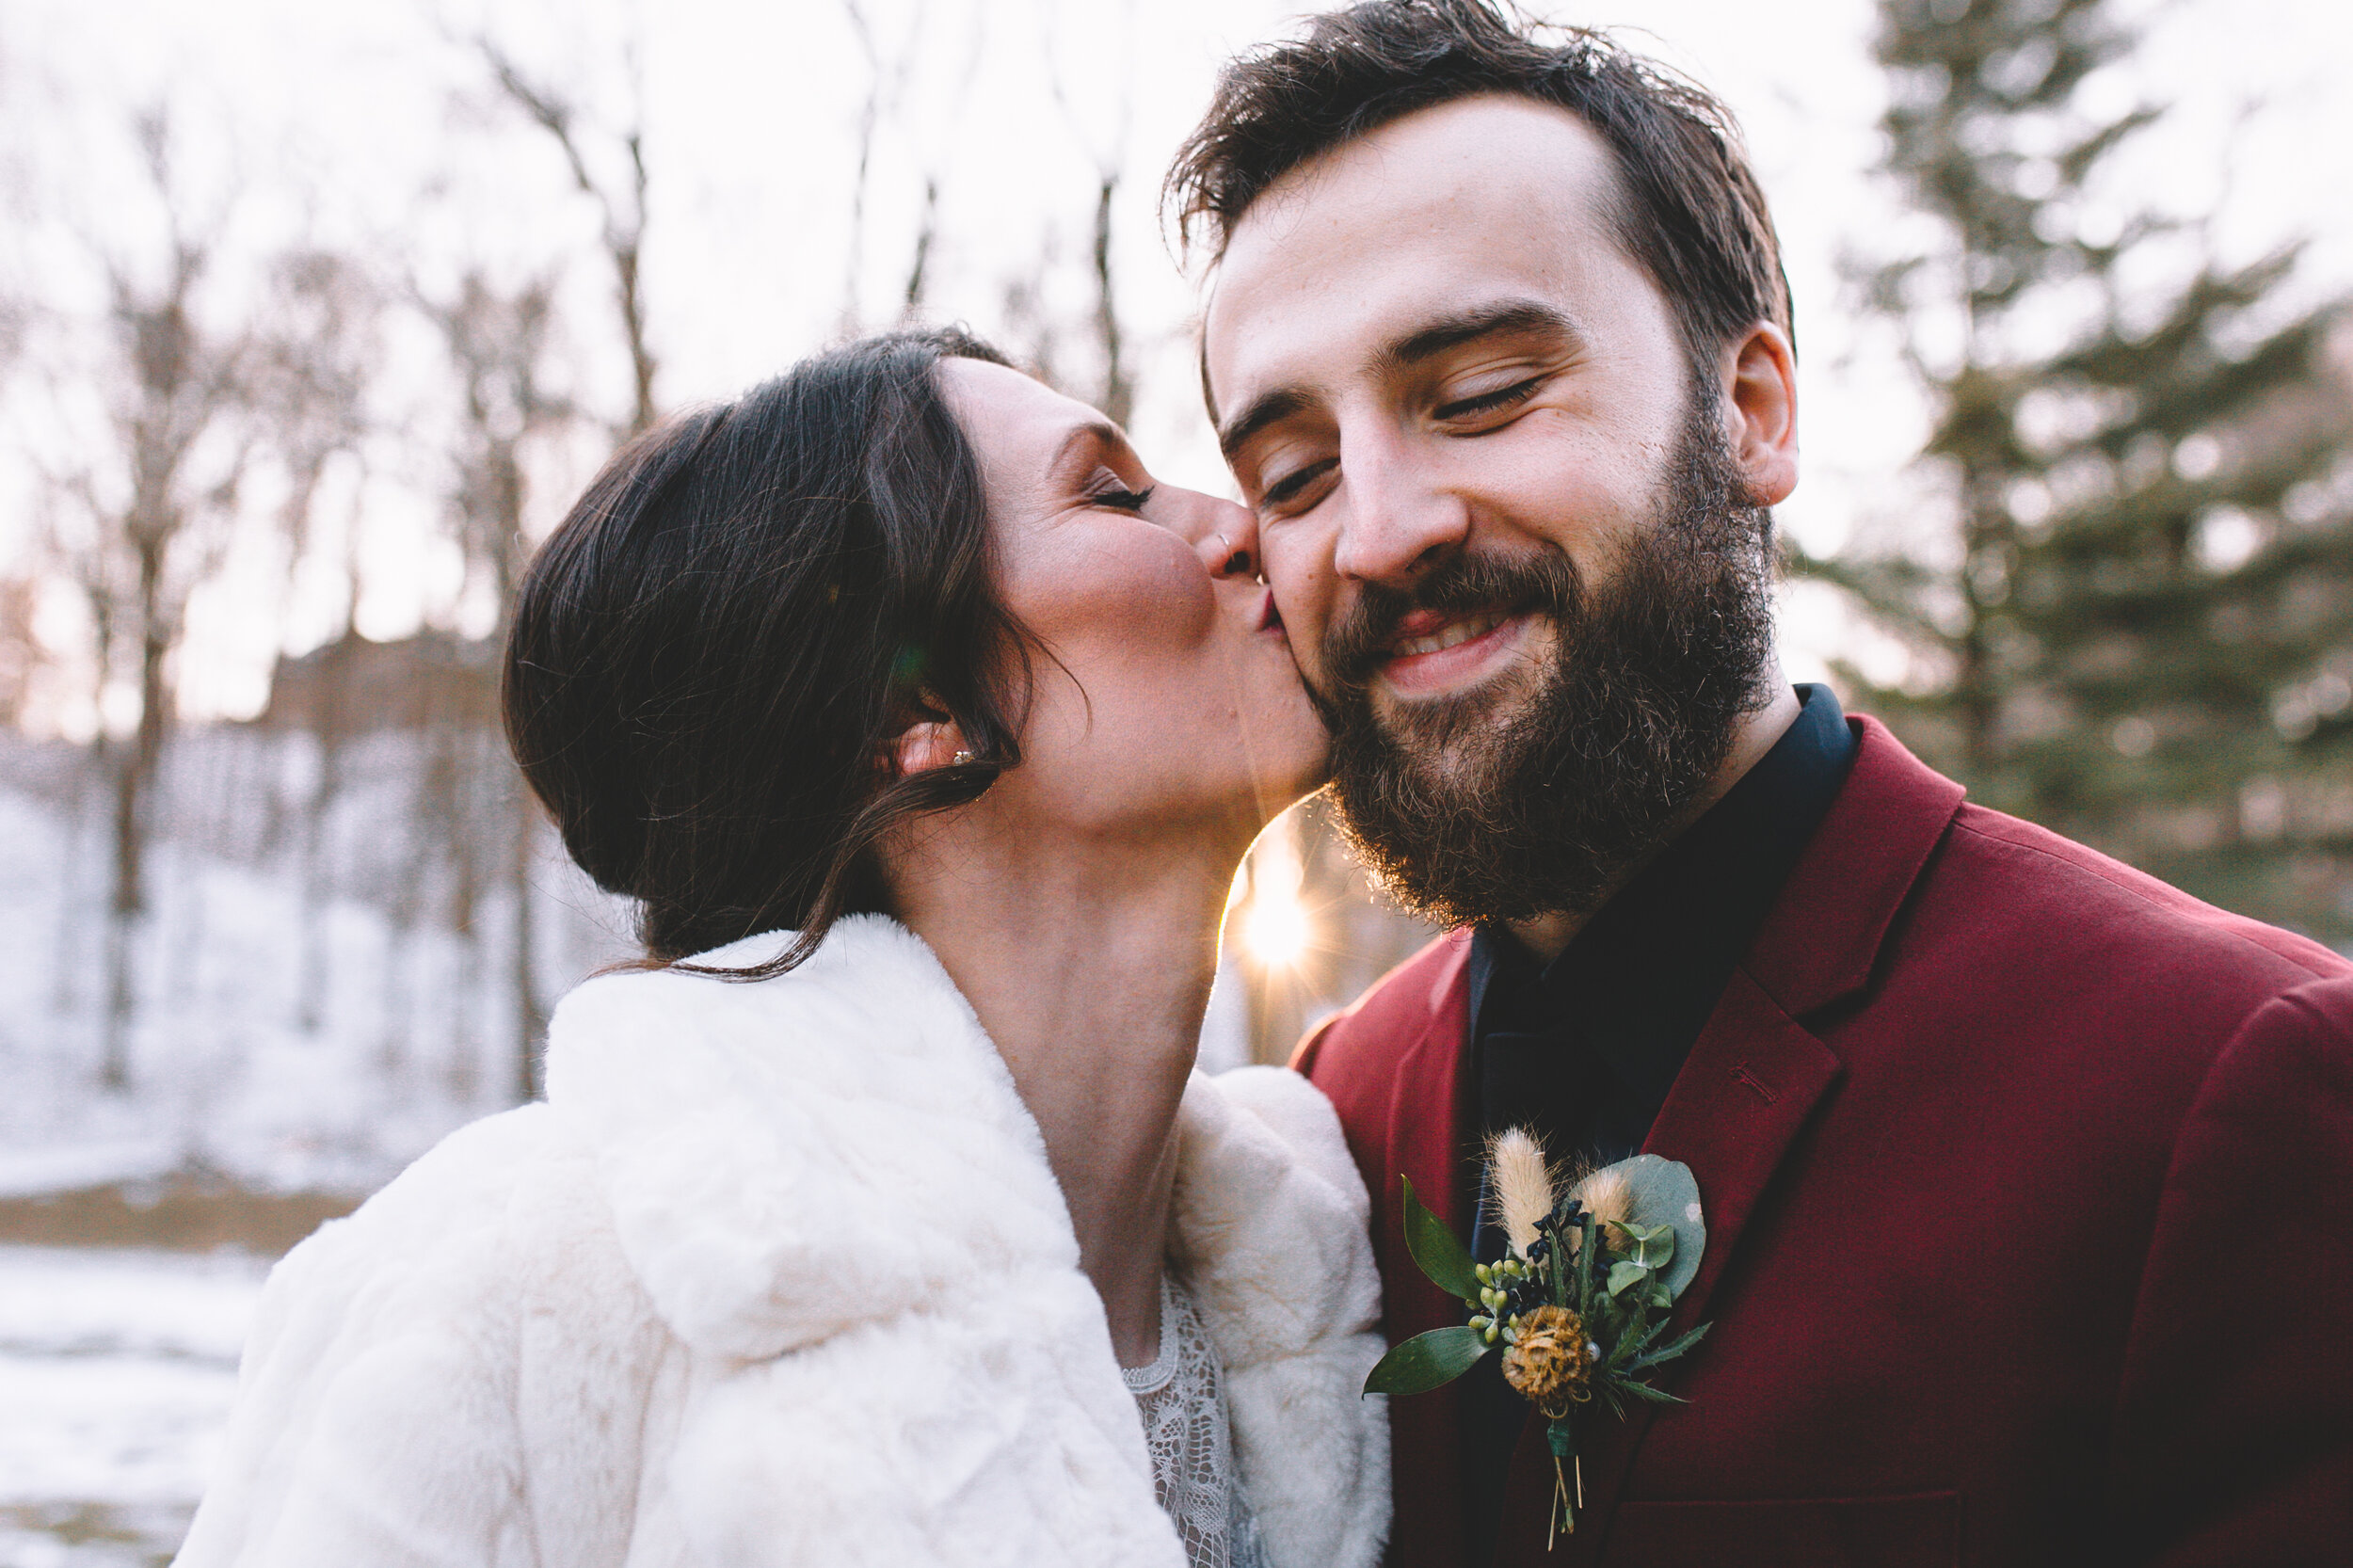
point(1521, 1179)
point(1607, 1196)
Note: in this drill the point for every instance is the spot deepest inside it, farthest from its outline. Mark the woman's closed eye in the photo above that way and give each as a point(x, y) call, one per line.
point(1124, 500)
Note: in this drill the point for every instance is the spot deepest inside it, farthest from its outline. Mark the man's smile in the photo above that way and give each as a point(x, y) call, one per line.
point(1435, 651)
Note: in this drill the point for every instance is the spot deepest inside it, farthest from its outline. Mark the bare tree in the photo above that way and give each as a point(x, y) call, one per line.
point(498, 341)
point(158, 496)
point(887, 74)
point(21, 654)
point(13, 313)
point(926, 235)
point(620, 198)
point(1115, 395)
point(1118, 398)
point(316, 364)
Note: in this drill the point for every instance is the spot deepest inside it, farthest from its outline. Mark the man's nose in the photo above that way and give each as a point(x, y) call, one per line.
point(1395, 524)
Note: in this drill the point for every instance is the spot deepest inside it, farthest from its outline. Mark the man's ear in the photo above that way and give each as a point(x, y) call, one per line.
point(1760, 382)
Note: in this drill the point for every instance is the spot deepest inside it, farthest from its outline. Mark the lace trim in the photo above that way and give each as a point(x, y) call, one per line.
point(1190, 1434)
point(1153, 1376)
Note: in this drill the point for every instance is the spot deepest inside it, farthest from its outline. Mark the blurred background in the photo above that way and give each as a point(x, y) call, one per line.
point(314, 319)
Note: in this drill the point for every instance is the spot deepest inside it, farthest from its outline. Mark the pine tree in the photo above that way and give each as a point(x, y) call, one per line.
point(2128, 588)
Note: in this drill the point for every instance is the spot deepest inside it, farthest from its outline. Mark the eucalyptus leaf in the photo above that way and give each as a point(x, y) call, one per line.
point(1438, 1252)
point(1654, 1245)
point(1625, 1275)
point(1663, 1191)
point(1427, 1361)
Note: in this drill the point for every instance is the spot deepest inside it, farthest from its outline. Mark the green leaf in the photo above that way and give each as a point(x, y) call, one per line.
point(1437, 1251)
point(1630, 1345)
point(1654, 1245)
point(1644, 1391)
point(1427, 1361)
point(1664, 1192)
point(1668, 1352)
point(1624, 1276)
point(1588, 1247)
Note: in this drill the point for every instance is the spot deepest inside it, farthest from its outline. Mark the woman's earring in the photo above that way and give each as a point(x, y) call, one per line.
point(961, 758)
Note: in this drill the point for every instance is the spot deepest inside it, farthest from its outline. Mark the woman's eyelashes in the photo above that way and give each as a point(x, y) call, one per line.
point(1122, 499)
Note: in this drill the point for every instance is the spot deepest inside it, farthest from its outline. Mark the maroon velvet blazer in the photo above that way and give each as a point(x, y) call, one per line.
point(2030, 1193)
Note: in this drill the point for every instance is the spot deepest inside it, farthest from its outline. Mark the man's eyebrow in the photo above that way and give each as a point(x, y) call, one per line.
point(1480, 321)
point(1264, 410)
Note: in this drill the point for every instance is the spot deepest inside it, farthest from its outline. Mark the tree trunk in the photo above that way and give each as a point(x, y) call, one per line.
point(134, 782)
point(531, 1024)
point(1119, 392)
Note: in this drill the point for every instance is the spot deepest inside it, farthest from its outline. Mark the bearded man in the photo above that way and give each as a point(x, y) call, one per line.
point(2025, 1175)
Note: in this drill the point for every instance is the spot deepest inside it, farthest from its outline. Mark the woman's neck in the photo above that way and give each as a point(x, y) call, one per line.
point(1090, 968)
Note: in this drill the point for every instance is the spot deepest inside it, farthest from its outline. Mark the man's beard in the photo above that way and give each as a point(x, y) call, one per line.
point(1466, 812)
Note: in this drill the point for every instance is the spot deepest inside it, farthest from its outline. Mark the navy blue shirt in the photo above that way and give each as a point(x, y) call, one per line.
point(1583, 1050)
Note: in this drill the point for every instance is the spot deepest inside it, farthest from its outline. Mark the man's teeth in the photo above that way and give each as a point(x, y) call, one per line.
point(1450, 635)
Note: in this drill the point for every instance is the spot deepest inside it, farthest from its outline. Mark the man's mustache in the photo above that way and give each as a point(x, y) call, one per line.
point(1360, 641)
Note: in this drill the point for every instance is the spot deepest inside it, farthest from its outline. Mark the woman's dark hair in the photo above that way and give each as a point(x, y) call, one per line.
point(710, 659)
point(1692, 213)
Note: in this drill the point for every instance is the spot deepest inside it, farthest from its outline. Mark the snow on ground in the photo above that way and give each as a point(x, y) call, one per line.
point(117, 1370)
point(309, 1020)
point(295, 1033)
point(295, 1029)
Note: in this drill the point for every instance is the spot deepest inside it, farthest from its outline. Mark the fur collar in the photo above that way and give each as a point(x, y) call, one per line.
point(836, 1163)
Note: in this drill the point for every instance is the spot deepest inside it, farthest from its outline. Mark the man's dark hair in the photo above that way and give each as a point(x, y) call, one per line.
point(1691, 212)
point(709, 658)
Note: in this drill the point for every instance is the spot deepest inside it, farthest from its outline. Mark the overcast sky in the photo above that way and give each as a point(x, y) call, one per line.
point(371, 127)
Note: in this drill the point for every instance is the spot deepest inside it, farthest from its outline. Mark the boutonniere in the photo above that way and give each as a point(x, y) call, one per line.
point(1577, 1303)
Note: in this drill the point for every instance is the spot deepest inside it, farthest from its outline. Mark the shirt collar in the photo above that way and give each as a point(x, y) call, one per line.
point(1638, 980)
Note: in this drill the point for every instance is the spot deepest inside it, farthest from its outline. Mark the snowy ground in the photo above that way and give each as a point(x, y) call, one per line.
point(294, 1034)
point(117, 1370)
point(294, 1029)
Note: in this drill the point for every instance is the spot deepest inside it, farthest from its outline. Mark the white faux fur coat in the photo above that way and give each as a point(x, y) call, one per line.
point(779, 1275)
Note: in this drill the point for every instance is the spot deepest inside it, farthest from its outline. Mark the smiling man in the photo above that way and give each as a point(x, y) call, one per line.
point(2020, 1168)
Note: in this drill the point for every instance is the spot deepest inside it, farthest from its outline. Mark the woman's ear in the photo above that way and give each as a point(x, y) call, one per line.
point(931, 741)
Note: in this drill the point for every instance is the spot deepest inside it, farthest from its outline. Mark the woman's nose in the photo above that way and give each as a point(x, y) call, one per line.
point(1226, 536)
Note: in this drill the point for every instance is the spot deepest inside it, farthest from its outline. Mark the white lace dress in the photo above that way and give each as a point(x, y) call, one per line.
point(1182, 1395)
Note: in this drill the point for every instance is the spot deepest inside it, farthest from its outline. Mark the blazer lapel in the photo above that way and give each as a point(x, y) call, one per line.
point(1754, 1080)
point(1427, 1136)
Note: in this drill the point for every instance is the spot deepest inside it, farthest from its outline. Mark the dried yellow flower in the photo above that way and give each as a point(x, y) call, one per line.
point(1553, 1361)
